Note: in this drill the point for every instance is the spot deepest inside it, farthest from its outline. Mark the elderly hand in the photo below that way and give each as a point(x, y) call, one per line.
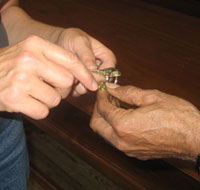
point(88, 50)
point(35, 74)
point(162, 126)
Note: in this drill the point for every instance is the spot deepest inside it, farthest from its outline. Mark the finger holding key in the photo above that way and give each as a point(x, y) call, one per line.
point(34, 73)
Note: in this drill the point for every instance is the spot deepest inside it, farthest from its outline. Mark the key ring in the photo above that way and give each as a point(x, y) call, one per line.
point(99, 63)
point(108, 73)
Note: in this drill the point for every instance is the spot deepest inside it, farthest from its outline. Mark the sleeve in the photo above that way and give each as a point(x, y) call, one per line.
point(3, 35)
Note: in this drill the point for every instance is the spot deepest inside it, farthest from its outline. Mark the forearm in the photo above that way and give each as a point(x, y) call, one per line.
point(19, 25)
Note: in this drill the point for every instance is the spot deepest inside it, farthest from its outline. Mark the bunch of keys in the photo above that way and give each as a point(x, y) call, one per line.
point(110, 74)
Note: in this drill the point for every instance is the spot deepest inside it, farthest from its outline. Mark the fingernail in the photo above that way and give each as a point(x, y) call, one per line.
point(94, 85)
point(112, 85)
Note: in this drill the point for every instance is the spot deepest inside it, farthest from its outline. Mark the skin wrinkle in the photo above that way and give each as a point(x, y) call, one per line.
point(124, 127)
point(168, 130)
point(40, 59)
point(189, 129)
point(8, 53)
point(118, 125)
point(162, 127)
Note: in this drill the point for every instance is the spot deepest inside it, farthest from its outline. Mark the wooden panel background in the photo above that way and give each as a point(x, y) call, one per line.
point(155, 48)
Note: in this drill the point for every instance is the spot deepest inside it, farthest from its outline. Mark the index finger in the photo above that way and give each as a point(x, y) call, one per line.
point(70, 62)
point(107, 110)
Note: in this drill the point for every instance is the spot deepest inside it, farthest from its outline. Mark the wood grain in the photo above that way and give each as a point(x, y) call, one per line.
point(74, 133)
point(63, 169)
point(155, 48)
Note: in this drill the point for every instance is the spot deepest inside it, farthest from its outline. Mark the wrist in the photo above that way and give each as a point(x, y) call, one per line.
point(16, 19)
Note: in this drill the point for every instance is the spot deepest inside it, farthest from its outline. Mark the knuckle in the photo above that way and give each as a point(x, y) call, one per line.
point(32, 40)
point(12, 96)
point(25, 56)
point(73, 59)
point(92, 122)
point(25, 61)
point(42, 113)
point(124, 128)
point(19, 77)
point(120, 145)
point(121, 132)
point(56, 101)
point(69, 81)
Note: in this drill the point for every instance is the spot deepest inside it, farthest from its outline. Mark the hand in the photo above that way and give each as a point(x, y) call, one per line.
point(87, 49)
point(35, 74)
point(74, 40)
point(162, 126)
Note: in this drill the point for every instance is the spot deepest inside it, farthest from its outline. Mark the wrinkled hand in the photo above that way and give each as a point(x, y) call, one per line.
point(87, 49)
point(35, 74)
point(162, 126)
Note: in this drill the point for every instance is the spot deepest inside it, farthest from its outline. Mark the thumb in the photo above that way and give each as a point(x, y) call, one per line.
point(134, 95)
point(85, 53)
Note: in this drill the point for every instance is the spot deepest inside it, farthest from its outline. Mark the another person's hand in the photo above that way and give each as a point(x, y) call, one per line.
point(88, 51)
point(82, 46)
point(162, 126)
point(35, 74)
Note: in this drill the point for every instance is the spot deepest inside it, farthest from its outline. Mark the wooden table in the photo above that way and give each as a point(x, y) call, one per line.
point(155, 48)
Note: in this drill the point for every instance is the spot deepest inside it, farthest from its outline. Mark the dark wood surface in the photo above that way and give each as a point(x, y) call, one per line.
point(190, 7)
point(155, 48)
point(54, 167)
